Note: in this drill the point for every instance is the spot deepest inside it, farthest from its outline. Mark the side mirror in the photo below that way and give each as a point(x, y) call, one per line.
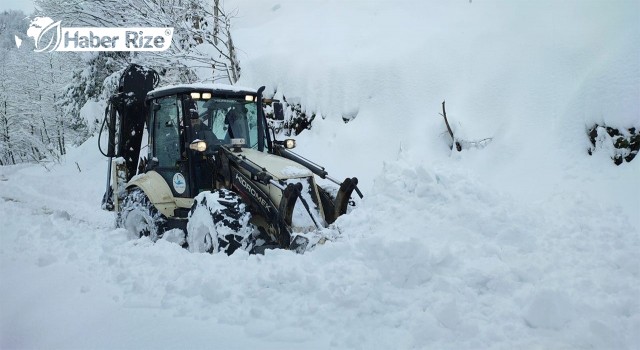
point(278, 111)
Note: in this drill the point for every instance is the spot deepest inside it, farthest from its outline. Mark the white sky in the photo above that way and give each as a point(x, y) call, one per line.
point(24, 5)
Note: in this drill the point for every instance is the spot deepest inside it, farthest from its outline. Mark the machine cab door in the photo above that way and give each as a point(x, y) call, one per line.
point(166, 146)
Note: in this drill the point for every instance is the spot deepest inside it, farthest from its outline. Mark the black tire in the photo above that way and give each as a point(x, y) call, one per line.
point(139, 217)
point(219, 222)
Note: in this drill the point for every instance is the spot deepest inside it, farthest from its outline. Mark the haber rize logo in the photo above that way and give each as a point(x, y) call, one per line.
point(49, 35)
point(45, 25)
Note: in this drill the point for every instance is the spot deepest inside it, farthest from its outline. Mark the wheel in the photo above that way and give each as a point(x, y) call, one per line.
point(139, 217)
point(219, 222)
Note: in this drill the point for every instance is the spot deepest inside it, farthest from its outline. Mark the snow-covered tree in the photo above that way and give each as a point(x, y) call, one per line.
point(42, 95)
point(11, 23)
point(33, 126)
point(8, 117)
point(201, 38)
point(201, 43)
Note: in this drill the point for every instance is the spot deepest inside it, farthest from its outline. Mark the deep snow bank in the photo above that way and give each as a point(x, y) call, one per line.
point(531, 75)
point(431, 259)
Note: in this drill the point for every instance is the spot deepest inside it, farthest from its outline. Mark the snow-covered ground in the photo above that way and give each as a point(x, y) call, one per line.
point(525, 243)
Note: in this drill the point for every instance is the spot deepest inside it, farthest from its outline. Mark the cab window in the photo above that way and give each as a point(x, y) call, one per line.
point(166, 132)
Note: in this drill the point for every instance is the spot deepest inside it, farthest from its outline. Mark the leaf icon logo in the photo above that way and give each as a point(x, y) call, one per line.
point(43, 28)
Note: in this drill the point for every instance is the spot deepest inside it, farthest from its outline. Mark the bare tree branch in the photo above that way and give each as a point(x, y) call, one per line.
point(446, 121)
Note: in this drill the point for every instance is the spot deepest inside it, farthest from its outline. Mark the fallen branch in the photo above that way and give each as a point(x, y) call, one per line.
point(453, 138)
point(460, 144)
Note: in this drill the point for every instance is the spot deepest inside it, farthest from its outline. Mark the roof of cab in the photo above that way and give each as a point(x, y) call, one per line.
point(216, 89)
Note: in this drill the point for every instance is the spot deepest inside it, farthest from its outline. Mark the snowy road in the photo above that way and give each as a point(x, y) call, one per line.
point(431, 259)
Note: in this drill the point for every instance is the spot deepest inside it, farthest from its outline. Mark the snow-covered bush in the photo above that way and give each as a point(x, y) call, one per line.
point(297, 119)
point(621, 144)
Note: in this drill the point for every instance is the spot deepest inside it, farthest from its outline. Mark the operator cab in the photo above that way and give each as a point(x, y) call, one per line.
point(187, 125)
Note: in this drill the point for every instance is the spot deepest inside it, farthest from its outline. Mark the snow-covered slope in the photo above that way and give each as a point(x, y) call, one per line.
point(526, 243)
point(531, 75)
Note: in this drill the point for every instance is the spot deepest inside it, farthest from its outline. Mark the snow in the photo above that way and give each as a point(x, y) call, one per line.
point(93, 113)
point(294, 171)
point(525, 243)
point(206, 235)
point(532, 76)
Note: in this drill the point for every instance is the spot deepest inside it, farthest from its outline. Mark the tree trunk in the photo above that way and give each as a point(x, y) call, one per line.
point(6, 136)
point(216, 21)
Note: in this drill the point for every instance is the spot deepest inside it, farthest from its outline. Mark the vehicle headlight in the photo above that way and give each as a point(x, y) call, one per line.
point(289, 143)
point(198, 145)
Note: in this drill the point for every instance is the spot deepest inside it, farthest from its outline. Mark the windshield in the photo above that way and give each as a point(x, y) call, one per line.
point(229, 119)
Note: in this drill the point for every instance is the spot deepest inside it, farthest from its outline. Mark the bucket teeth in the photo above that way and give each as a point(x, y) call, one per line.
point(299, 244)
